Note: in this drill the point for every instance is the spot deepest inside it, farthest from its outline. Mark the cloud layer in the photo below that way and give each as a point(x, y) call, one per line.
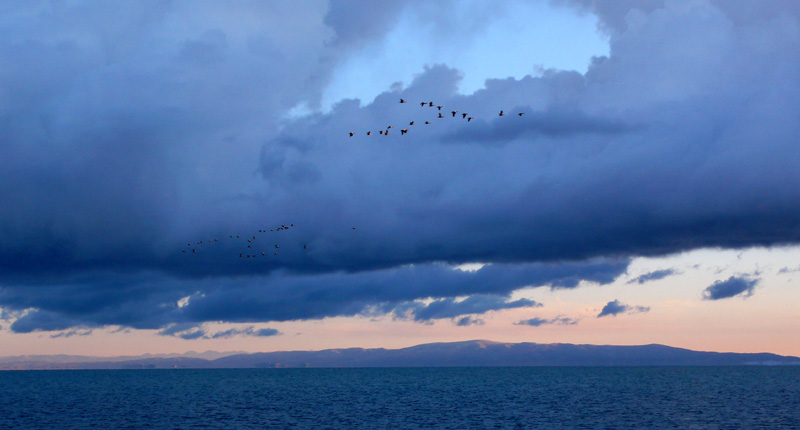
point(122, 143)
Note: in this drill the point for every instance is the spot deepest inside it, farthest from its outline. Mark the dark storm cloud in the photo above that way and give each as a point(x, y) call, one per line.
point(181, 305)
point(283, 297)
point(616, 307)
point(653, 276)
point(731, 287)
point(667, 145)
point(128, 131)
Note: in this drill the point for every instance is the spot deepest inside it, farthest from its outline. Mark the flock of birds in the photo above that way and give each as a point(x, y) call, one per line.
point(252, 250)
point(453, 114)
point(250, 241)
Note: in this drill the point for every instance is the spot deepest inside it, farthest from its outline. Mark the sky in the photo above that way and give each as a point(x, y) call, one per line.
point(181, 175)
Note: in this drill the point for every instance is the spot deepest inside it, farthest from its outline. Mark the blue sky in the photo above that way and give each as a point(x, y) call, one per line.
point(647, 192)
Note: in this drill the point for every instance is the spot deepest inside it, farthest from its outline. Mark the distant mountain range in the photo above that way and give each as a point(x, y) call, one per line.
point(475, 353)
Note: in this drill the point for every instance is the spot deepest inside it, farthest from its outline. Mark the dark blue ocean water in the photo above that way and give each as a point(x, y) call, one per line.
point(446, 398)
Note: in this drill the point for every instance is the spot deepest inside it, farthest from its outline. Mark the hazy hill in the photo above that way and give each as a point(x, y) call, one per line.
point(477, 353)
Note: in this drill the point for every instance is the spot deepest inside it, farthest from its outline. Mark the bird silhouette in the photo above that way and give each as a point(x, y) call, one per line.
point(463, 115)
point(501, 113)
point(411, 123)
point(521, 113)
point(351, 134)
point(440, 116)
point(454, 113)
point(402, 101)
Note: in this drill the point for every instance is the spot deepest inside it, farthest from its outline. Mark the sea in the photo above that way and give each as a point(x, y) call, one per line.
point(404, 398)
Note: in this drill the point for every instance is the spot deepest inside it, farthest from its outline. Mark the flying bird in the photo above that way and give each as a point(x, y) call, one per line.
point(422, 104)
point(454, 113)
point(369, 133)
point(440, 116)
point(351, 134)
point(463, 115)
point(501, 113)
point(469, 119)
point(521, 113)
point(402, 101)
point(439, 107)
point(411, 123)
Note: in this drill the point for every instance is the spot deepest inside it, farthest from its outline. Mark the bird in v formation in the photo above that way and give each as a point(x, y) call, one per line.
point(423, 104)
point(251, 242)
